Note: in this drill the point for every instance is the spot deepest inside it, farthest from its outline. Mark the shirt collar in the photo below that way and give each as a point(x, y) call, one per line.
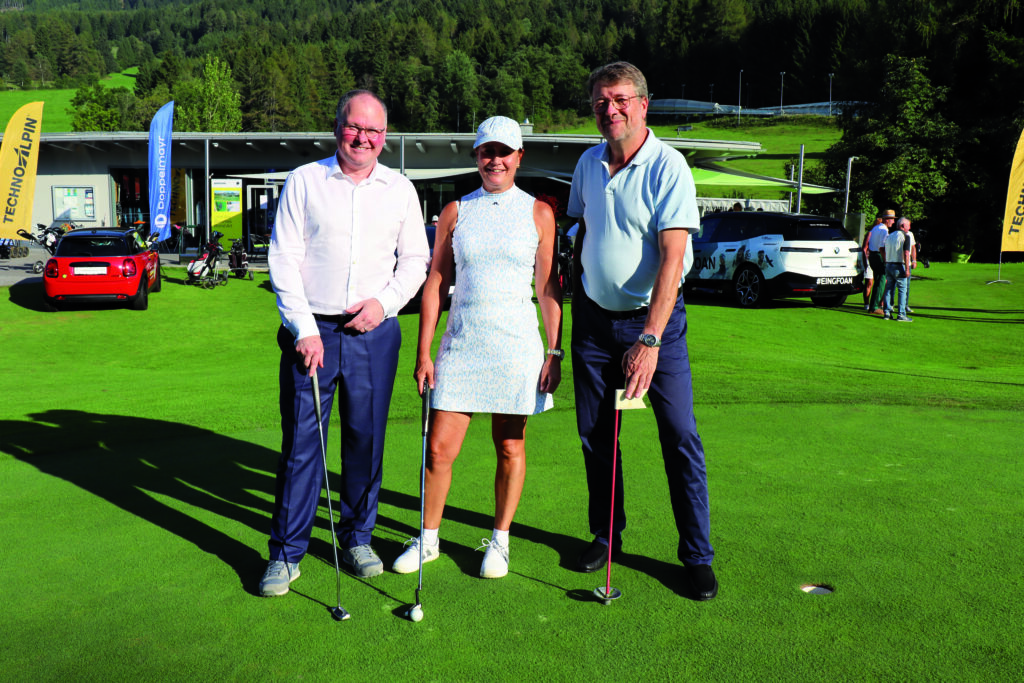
point(646, 152)
point(334, 169)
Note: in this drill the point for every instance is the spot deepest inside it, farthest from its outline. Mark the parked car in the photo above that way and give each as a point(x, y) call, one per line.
point(756, 256)
point(102, 265)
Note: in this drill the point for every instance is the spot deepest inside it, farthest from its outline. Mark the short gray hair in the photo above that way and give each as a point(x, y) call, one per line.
point(901, 221)
point(339, 112)
point(616, 72)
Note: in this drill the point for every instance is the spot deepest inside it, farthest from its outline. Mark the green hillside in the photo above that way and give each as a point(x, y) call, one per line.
point(56, 111)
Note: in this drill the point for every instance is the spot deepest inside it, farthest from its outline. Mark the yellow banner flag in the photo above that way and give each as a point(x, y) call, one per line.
point(1013, 219)
point(19, 157)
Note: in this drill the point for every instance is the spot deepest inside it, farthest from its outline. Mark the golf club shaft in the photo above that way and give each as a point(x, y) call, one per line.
point(611, 516)
point(327, 485)
point(423, 479)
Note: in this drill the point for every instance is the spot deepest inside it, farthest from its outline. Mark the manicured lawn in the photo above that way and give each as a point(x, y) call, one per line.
point(138, 451)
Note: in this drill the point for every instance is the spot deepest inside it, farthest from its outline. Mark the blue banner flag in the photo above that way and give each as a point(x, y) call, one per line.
point(160, 171)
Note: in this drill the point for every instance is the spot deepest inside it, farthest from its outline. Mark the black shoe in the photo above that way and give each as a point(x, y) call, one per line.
point(703, 581)
point(596, 556)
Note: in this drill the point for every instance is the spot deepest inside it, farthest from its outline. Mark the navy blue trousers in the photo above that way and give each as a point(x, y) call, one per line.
point(599, 340)
point(360, 370)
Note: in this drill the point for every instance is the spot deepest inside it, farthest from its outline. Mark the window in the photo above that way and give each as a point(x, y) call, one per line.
point(707, 229)
point(825, 231)
point(92, 246)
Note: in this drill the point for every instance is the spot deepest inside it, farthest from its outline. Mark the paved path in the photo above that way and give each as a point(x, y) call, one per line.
point(15, 270)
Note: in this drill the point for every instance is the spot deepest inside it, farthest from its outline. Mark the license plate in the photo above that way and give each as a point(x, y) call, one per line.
point(90, 270)
point(834, 281)
point(834, 262)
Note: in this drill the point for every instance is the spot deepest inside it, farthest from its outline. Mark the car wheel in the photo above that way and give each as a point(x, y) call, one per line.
point(750, 287)
point(37, 267)
point(829, 300)
point(140, 301)
point(157, 283)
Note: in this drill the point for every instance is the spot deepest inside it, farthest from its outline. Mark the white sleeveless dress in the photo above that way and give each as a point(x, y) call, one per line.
point(491, 354)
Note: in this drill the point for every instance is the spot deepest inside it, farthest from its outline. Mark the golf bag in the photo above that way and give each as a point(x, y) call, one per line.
point(48, 236)
point(47, 239)
point(203, 270)
point(238, 259)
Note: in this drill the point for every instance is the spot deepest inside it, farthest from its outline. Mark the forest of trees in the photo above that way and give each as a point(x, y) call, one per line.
point(944, 77)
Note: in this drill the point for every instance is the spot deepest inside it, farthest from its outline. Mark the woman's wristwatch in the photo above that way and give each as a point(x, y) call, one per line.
point(557, 353)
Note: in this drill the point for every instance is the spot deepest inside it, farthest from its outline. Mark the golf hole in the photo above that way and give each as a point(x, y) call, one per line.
point(817, 589)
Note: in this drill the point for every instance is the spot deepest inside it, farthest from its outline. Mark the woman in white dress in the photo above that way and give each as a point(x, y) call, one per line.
point(498, 240)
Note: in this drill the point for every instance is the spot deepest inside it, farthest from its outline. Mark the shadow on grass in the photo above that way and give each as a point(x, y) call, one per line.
point(967, 315)
point(671, 575)
point(31, 295)
point(28, 294)
point(131, 462)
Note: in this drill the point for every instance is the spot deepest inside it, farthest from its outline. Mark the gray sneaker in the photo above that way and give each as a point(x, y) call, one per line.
point(362, 561)
point(904, 319)
point(277, 577)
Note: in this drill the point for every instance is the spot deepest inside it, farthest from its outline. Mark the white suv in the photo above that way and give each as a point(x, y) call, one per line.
point(761, 255)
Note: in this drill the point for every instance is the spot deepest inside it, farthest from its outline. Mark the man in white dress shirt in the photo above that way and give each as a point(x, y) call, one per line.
point(348, 250)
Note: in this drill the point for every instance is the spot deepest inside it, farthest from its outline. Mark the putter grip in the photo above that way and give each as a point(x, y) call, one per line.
point(426, 406)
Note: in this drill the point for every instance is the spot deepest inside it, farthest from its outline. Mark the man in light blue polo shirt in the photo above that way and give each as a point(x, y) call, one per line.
point(636, 202)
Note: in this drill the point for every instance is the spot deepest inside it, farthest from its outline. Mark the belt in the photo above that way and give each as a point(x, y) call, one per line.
point(626, 315)
point(339, 319)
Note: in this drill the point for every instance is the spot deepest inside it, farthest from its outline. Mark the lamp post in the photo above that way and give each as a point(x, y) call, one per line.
point(830, 94)
point(846, 204)
point(782, 88)
point(739, 99)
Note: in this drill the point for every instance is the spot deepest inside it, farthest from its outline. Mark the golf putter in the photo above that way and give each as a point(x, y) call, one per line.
point(415, 612)
point(338, 612)
point(606, 593)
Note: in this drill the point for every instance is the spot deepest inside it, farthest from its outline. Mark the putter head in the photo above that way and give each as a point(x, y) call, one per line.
point(340, 613)
point(607, 597)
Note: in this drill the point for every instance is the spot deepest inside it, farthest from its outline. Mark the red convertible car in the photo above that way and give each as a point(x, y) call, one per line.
point(97, 265)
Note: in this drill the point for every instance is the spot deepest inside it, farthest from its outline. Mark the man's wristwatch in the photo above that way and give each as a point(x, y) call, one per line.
point(557, 353)
point(650, 340)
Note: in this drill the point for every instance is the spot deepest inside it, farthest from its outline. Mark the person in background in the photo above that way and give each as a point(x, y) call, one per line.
point(869, 275)
point(876, 240)
point(898, 264)
point(913, 265)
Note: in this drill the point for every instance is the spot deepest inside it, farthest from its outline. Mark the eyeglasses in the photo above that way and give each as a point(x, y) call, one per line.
point(354, 131)
point(620, 103)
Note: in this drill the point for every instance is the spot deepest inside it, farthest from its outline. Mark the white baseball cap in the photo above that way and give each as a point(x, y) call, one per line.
point(499, 129)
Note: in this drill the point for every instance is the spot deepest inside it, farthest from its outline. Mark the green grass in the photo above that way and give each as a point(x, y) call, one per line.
point(56, 115)
point(138, 449)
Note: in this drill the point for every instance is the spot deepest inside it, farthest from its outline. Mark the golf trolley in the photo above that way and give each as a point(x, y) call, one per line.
point(47, 239)
point(238, 259)
point(204, 271)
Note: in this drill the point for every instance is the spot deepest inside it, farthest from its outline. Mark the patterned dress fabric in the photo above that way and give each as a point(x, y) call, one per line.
point(491, 354)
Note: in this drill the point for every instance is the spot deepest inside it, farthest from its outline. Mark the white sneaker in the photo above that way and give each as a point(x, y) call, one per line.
point(409, 561)
point(495, 564)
